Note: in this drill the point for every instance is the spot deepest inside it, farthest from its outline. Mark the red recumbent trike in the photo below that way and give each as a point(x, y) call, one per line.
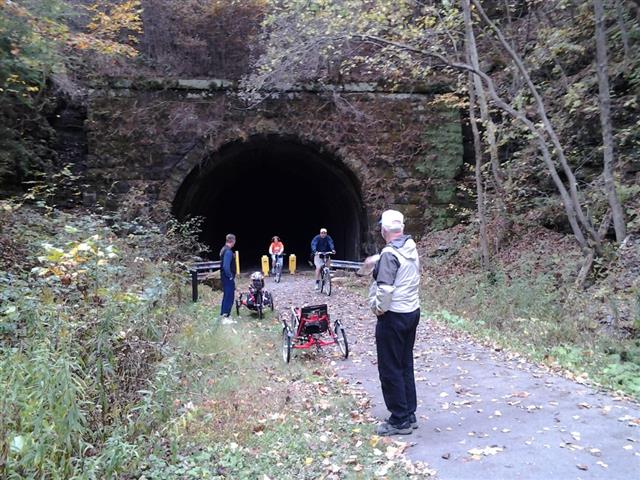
point(311, 326)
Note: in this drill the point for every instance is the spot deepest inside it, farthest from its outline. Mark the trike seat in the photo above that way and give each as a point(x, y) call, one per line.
point(313, 319)
point(313, 311)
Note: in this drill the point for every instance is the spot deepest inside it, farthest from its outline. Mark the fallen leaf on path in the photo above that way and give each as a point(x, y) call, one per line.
point(486, 451)
point(582, 466)
point(519, 394)
point(632, 421)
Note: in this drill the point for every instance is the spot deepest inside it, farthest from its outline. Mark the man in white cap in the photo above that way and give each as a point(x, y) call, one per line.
point(321, 243)
point(394, 299)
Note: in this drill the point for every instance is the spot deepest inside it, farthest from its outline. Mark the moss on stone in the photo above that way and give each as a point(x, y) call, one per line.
point(444, 137)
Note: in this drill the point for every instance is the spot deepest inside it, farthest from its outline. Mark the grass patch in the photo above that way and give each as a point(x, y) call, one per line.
point(535, 315)
point(241, 412)
point(109, 371)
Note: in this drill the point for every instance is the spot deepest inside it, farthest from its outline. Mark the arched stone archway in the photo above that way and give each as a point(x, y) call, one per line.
point(274, 185)
point(183, 142)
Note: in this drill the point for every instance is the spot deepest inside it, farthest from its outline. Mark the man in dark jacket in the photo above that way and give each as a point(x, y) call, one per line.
point(322, 243)
point(394, 299)
point(228, 275)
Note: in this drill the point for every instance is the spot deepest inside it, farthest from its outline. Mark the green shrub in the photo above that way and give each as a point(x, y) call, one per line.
point(84, 318)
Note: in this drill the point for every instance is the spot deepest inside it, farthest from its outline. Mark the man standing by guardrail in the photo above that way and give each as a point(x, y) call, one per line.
point(228, 275)
point(394, 299)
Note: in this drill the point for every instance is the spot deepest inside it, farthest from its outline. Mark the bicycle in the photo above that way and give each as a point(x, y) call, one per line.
point(325, 274)
point(277, 259)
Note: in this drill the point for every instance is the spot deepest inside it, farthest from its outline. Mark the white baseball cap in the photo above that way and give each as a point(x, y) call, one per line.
point(323, 230)
point(392, 219)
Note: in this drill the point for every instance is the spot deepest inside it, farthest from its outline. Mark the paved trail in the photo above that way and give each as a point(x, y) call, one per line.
point(487, 414)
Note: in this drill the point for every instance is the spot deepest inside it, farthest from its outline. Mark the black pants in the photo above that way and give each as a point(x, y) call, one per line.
point(228, 292)
point(395, 337)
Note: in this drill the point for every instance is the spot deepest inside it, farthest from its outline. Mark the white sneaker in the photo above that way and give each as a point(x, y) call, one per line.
point(227, 321)
point(317, 287)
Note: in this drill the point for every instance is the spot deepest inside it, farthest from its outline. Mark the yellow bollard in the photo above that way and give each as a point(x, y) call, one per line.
point(265, 265)
point(237, 263)
point(292, 264)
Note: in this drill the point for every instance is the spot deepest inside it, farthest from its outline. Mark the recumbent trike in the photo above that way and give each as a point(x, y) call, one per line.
point(311, 327)
point(257, 298)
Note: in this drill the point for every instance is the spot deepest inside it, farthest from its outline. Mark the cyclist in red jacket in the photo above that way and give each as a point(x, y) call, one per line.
point(276, 248)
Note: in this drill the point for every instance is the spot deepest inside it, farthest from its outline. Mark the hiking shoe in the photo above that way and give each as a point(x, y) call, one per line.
point(413, 421)
point(317, 287)
point(385, 429)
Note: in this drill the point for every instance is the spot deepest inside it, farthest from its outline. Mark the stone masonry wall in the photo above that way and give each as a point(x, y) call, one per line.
point(405, 150)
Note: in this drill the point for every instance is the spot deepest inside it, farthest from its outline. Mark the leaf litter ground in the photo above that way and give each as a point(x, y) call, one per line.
point(484, 410)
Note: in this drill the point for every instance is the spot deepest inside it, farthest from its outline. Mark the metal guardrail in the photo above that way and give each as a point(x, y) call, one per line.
point(346, 264)
point(200, 271)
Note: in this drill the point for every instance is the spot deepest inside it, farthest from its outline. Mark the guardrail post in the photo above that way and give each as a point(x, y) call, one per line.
point(194, 285)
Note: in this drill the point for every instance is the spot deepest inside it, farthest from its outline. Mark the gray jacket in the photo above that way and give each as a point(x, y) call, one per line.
point(396, 278)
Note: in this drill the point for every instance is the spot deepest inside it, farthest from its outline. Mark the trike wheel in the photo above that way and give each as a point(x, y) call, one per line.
point(326, 282)
point(259, 304)
point(286, 345)
point(341, 339)
point(294, 323)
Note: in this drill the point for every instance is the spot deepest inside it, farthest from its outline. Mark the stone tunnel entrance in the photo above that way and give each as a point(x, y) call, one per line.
point(274, 185)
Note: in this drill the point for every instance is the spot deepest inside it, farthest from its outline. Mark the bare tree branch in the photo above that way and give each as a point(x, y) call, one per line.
point(548, 126)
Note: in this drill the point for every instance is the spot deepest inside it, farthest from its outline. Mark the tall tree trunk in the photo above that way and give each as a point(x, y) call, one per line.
point(485, 115)
point(568, 203)
point(539, 135)
point(548, 126)
point(477, 147)
point(490, 126)
point(605, 119)
point(624, 33)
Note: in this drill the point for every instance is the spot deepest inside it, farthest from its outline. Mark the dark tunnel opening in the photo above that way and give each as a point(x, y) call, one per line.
point(272, 185)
